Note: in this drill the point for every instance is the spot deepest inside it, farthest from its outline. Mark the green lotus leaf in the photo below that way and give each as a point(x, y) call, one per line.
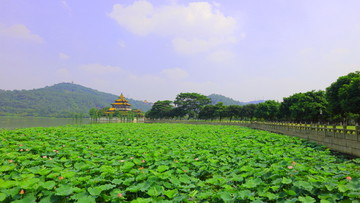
point(304, 185)
point(7, 168)
point(306, 199)
point(171, 193)
point(86, 199)
point(286, 180)
point(2, 196)
point(95, 191)
point(155, 191)
point(162, 168)
point(48, 185)
point(64, 190)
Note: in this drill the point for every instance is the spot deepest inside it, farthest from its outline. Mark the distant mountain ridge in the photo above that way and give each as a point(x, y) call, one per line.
point(215, 98)
point(64, 99)
point(59, 100)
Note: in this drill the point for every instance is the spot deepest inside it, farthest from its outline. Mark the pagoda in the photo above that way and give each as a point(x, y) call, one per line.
point(120, 104)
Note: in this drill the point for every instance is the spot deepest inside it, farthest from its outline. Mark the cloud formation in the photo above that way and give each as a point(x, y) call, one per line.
point(193, 28)
point(19, 32)
point(63, 56)
point(100, 69)
point(175, 73)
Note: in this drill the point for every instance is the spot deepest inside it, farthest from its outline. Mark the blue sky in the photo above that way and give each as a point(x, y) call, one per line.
point(153, 50)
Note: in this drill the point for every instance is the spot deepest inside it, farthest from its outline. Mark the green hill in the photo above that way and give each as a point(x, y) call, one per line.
point(60, 100)
point(215, 98)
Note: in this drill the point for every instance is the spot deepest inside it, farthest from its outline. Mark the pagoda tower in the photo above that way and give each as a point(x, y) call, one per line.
point(120, 104)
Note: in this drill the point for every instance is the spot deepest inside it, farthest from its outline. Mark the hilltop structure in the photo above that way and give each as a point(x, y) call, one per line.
point(120, 104)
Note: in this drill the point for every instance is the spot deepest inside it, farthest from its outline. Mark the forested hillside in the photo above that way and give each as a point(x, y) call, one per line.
point(60, 100)
point(216, 98)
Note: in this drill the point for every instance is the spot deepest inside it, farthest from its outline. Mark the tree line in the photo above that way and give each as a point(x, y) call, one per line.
point(340, 102)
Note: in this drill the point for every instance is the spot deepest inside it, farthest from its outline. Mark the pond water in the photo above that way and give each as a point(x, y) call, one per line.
point(26, 122)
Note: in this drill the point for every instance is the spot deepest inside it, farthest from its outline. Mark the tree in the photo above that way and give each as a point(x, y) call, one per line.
point(233, 111)
point(343, 96)
point(220, 110)
point(93, 114)
point(178, 113)
point(160, 109)
point(307, 107)
point(207, 112)
point(351, 97)
point(191, 103)
point(248, 111)
point(267, 110)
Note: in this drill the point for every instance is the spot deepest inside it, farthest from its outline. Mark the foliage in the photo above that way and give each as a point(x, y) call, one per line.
point(268, 110)
point(233, 111)
point(216, 98)
point(208, 112)
point(60, 100)
point(191, 103)
point(308, 107)
point(160, 109)
point(213, 111)
point(126, 115)
point(169, 163)
point(247, 112)
point(343, 95)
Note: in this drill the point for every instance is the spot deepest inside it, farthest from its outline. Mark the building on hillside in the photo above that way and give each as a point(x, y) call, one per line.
point(120, 104)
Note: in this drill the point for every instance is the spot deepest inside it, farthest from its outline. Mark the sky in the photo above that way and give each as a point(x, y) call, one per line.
point(153, 50)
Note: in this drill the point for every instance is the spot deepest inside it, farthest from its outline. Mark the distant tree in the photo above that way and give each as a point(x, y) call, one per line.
point(216, 98)
point(160, 109)
point(207, 112)
point(248, 111)
point(304, 107)
point(343, 96)
point(93, 114)
point(178, 113)
point(220, 110)
point(191, 103)
point(233, 111)
point(267, 110)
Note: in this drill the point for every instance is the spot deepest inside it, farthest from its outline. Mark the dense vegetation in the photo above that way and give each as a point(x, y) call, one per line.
point(61, 100)
point(177, 163)
point(216, 98)
point(96, 114)
point(340, 102)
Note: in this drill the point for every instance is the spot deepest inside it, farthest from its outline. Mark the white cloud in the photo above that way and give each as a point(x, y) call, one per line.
point(121, 44)
point(66, 5)
point(196, 27)
point(100, 69)
point(63, 56)
point(19, 31)
point(221, 57)
point(175, 73)
point(194, 46)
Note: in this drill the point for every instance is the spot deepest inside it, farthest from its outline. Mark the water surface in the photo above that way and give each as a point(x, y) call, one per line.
point(8, 122)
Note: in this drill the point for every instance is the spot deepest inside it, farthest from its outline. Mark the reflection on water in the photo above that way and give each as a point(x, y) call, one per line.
point(26, 122)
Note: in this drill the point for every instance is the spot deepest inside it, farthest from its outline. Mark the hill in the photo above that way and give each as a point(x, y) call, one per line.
point(215, 98)
point(60, 100)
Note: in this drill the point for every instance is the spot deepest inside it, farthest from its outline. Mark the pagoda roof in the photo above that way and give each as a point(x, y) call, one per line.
point(122, 103)
point(121, 98)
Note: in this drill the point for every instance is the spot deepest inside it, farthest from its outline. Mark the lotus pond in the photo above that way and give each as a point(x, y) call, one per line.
point(169, 163)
